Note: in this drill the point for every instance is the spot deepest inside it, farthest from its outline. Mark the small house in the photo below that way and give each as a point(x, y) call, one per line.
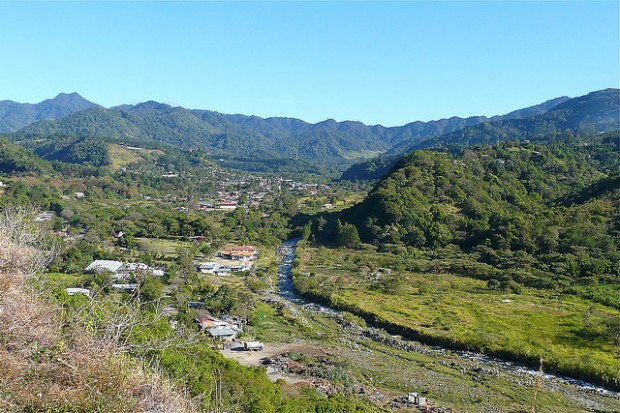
point(44, 216)
point(223, 271)
point(208, 321)
point(129, 288)
point(227, 205)
point(223, 333)
point(218, 329)
point(208, 267)
point(202, 205)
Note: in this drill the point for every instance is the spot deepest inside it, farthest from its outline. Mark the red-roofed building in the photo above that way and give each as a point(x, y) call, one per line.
point(242, 253)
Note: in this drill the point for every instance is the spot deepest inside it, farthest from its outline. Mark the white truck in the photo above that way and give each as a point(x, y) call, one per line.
point(253, 346)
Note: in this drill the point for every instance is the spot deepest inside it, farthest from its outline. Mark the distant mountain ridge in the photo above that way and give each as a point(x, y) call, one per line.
point(328, 142)
point(595, 112)
point(244, 139)
point(14, 116)
point(403, 147)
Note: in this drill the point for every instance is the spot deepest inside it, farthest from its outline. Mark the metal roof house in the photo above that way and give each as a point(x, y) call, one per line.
point(103, 265)
point(224, 270)
point(218, 329)
point(125, 287)
point(122, 270)
point(223, 333)
point(208, 267)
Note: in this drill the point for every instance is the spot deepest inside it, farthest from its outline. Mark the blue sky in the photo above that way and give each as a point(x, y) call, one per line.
point(376, 62)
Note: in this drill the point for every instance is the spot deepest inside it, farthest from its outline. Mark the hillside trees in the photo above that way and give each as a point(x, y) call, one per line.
point(347, 235)
point(16, 160)
point(85, 151)
point(548, 208)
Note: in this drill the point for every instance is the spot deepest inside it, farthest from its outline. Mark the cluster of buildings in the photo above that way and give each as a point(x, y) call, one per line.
point(221, 204)
point(122, 272)
point(232, 190)
point(233, 259)
point(225, 329)
point(253, 188)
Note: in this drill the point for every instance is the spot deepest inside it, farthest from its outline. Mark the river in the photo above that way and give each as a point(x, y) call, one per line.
point(286, 290)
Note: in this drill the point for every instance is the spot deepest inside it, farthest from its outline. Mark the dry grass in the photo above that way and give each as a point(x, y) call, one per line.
point(51, 364)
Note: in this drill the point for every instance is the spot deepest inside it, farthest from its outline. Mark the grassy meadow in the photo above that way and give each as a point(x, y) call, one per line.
point(568, 332)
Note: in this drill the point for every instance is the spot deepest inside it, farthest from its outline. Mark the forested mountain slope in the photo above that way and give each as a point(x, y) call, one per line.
point(88, 151)
point(15, 160)
point(548, 211)
point(231, 136)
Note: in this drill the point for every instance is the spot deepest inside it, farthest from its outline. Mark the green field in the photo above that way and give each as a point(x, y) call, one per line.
point(567, 331)
point(120, 157)
point(165, 247)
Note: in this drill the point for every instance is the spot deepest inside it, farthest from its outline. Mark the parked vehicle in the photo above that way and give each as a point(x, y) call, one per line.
point(253, 346)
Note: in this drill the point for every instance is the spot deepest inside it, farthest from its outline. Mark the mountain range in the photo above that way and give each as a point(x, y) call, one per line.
point(593, 113)
point(15, 116)
point(245, 140)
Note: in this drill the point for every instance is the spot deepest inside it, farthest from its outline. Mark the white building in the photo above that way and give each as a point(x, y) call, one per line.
point(99, 266)
point(208, 267)
point(77, 290)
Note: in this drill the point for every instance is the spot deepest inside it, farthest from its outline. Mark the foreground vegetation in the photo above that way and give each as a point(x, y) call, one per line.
point(49, 361)
point(114, 351)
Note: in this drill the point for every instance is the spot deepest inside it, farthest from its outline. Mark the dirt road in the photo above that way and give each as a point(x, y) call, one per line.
point(253, 358)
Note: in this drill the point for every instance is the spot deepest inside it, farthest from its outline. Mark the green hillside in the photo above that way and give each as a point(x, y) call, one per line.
point(15, 160)
point(546, 214)
point(86, 151)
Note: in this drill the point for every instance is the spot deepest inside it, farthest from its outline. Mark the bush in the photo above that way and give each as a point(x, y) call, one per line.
point(493, 284)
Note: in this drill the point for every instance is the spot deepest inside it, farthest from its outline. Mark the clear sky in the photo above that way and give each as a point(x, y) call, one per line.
point(376, 62)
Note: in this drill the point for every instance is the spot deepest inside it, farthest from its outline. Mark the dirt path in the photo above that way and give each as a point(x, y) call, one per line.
point(253, 358)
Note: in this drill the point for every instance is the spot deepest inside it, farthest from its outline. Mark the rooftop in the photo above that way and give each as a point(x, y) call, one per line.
point(104, 265)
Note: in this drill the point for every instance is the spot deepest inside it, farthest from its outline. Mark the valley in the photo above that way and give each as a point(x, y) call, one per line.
point(479, 269)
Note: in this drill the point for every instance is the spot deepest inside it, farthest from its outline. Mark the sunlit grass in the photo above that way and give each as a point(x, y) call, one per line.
point(567, 331)
point(120, 157)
